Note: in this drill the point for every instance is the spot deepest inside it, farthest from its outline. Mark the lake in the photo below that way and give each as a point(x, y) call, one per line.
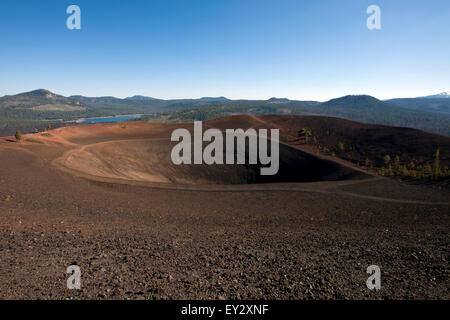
point(109, 119)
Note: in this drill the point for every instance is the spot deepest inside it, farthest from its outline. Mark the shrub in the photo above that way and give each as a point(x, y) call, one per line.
point(306, 132)
point(436, 166)
point(18, 135)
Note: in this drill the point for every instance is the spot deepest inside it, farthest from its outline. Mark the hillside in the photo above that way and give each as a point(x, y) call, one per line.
point(359, 108)
point(371, 110)
point(41, 100)
point(441, 105)
point(37, 108)
point(439, 95)
point(107, 196)
point(357, 141)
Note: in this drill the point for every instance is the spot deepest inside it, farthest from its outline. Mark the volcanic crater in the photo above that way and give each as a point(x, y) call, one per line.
point(148, 160)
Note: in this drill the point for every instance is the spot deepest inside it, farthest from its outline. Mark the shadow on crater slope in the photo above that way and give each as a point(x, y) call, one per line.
point(149, 161)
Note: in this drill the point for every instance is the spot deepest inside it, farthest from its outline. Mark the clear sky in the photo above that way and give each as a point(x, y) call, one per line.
point(253, 49)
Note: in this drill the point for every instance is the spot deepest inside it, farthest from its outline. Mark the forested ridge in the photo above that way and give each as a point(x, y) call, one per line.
point(41, 107)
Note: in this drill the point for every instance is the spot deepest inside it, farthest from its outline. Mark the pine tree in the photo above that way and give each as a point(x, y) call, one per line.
point(436, 166)
point(397, 161)
point(18, 135)
point(307, 133)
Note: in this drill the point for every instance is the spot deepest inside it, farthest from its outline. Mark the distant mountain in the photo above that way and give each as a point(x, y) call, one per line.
point(115, 106)
point(141, 98)
point(105, 99)
point(355, 105)
point(361, 108)
point(214, 99)
point(43, 105)
point(143, 104)
point(439, 95)
point(363, 104)
point(356, 101)
point(278, 100)
point(440, 105)
point(41, 100)
point(368, 109)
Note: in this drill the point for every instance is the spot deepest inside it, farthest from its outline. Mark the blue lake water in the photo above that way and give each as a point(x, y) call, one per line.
point(110, 119)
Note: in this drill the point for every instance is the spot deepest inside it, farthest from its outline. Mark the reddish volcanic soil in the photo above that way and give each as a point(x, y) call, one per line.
point(107, 198)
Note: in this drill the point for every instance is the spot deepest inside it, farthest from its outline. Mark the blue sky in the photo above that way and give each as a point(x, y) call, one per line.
point(235, 48)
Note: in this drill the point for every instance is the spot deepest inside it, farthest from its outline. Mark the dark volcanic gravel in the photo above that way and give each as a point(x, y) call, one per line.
point(143, 243)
